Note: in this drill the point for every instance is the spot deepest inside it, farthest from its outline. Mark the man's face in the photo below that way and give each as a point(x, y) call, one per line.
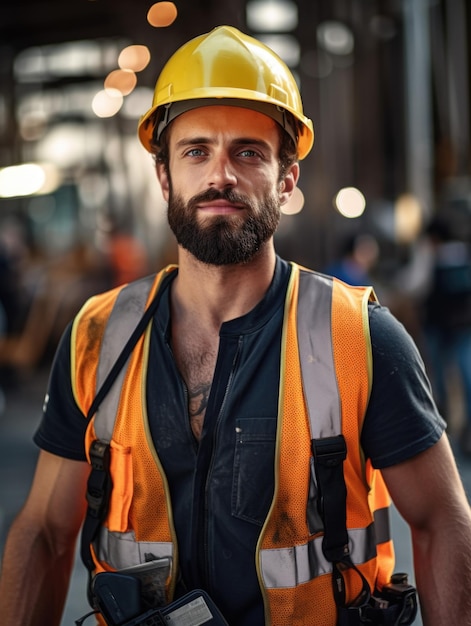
point(222, 187)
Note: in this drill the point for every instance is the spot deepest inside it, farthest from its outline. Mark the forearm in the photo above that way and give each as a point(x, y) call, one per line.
point(443, 577)
point(34, 579)
point(428, 493)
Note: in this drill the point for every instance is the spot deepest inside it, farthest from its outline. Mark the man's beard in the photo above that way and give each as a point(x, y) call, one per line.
point(223, 239)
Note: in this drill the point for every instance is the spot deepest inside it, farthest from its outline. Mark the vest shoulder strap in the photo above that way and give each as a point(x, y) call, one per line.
point(328, 444)
point(129, 310)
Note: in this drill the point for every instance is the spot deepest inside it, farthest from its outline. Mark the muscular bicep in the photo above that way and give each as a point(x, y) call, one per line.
point(57, 497)
point(427, 489)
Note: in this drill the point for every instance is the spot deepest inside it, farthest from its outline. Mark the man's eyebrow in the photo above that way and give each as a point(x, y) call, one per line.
point(239, 141)
point(191, 141)
point(261, 143)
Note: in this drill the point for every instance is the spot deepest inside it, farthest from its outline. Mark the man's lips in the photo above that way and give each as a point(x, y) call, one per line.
point(219, 207)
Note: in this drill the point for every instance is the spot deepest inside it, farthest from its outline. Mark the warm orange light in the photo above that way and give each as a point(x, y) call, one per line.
point(134, 58)
point(122, 80)
point(408, 218)
point(162, 14)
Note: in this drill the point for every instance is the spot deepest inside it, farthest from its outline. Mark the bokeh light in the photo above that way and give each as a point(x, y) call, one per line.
point(162, 14)
point(28, 179)
point(350, 202)
point(135, 58)
point(274, 16)
point(295, 203)
point(408, 218)
point(123, 81)
point(107, 102)
point(335, 37)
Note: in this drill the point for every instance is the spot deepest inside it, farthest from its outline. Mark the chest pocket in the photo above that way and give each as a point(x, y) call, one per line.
point(253, 468)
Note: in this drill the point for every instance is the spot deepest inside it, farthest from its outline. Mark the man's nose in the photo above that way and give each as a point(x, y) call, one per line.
point(221, 172)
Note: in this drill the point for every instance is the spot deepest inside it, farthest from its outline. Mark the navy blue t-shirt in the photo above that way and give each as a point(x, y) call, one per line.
point(221, 488)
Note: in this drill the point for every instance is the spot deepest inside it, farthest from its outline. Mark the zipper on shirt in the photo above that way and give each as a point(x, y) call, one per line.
point(234, 367)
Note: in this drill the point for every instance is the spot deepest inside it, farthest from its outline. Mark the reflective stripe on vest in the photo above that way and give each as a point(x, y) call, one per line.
point(317, 357)
point(289, 567)
point(125, 316)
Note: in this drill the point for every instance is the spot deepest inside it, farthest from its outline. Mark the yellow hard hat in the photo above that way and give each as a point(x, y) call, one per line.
point(227, 64)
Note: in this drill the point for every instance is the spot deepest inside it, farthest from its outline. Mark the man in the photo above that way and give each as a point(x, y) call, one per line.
point(209, 422)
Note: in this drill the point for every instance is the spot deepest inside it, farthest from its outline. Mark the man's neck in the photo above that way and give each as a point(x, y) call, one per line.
point(215, 294)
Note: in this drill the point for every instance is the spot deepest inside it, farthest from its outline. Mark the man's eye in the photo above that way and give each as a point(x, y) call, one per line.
point(248, 153)
point(195, 152)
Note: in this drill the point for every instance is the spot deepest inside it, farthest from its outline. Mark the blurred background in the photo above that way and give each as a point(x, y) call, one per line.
point(384, 197)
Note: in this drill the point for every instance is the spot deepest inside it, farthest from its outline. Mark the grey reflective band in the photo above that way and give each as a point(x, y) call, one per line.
point(120, 550)
point(289, 567)
point(125, 315)
point(316, 355)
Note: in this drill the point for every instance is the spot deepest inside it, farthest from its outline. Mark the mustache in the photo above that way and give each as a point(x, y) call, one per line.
point(229, 195)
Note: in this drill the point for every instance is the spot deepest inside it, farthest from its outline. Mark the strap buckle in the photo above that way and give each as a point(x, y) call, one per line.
point(99, 455)
point(330, 451)
point(99, 481)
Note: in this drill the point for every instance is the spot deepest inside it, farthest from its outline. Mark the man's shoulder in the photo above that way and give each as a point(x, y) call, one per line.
point(130, 296)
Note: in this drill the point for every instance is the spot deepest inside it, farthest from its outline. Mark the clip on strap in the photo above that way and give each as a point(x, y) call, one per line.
point(98, 491)
point(329, 455)
point(99, 481)
point(369, 615)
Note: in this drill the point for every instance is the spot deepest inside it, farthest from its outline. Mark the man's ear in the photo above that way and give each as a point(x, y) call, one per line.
point(162, 176)
point(288, 184)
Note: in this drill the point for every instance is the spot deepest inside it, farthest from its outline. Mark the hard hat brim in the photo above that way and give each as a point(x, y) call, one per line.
point(147, 123)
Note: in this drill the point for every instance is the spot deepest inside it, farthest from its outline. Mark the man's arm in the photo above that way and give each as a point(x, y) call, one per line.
point(40, 548)
point(428, 493)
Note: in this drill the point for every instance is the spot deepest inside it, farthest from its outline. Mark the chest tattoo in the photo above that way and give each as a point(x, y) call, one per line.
point(197, 369)
point(197, 402)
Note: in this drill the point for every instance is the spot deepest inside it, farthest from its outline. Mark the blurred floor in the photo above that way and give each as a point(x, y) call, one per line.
point(18, 454)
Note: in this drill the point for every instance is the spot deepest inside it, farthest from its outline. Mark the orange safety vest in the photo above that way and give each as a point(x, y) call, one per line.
point(325, 384)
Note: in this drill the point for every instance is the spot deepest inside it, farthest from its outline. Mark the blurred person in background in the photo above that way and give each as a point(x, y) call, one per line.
point(356, 260)
point(266, 412)
point(48, 290)
point(126, 254)
point(3, 327)
point(446, 314)
point(12, 256)
point(11, 302)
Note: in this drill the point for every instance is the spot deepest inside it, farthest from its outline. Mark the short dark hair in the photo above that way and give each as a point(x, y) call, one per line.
point(288, 153)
